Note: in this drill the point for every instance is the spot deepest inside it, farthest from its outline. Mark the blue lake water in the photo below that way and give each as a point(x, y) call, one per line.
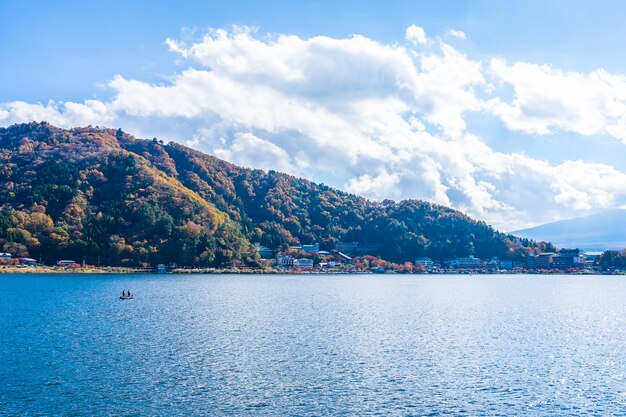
point(312, 345)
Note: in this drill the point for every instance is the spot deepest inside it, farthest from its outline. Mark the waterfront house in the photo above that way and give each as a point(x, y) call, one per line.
point(427, 263)
point(28, 261)
point(66, 262)
point(284, 261)
point(303, 263)
point(590, 259)
point(544, 260)
point(492, 263)
point(566, 259)
point(465, 263)
point(5, 255)
point(506, 264)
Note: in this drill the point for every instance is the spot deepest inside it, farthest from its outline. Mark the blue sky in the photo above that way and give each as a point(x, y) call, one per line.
point(536, 86)
point(83, 44)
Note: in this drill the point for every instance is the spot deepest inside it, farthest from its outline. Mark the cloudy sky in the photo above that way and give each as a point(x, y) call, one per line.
point(513, 112)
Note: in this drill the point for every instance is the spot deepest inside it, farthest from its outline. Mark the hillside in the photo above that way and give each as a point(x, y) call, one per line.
point(601, 231)
point(102, 194)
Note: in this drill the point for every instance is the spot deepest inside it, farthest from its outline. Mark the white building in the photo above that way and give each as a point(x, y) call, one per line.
point(427, 263)
point(5, 255)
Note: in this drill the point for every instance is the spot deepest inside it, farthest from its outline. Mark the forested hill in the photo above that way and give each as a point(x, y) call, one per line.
point(102, 194)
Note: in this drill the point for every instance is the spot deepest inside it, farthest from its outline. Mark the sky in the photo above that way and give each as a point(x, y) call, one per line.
point(513, 112)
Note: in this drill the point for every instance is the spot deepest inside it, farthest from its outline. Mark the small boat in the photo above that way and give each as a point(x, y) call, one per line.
point(126, 295)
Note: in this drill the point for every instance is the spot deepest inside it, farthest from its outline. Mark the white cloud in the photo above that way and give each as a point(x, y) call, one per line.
point(446, 88)
point(415, 34)
point(385, 121)
point(459, 34)
point(546, 100)
point(66, 114)
point(381, 185)
point(250, 151)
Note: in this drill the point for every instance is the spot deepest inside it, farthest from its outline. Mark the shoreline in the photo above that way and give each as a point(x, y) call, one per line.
point(215, 271)
point(61, 270)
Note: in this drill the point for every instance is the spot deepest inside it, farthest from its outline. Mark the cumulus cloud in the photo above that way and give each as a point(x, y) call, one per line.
point(381, 185)
point(250, 151)
point(381, 120)
point(459, 34)
point(546, 100)
point(415, 34)
point(62, 114)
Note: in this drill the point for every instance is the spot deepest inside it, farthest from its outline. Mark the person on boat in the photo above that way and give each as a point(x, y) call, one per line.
point(123, 293)
point(128, 293)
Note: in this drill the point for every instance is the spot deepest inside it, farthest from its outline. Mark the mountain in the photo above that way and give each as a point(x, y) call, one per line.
point(601, 231)
point(102, 194)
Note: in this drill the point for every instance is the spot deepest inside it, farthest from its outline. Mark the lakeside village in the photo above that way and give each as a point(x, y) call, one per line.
point(349, 257)
point(295, 258)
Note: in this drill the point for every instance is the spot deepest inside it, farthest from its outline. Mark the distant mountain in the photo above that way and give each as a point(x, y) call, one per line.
point(602, 231)
point(102, 194)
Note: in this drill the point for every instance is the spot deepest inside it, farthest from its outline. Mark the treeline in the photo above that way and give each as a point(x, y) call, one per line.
point(611, 260)
point(104, 195)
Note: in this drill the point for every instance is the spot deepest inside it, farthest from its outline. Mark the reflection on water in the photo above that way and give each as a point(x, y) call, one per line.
point(312, 345)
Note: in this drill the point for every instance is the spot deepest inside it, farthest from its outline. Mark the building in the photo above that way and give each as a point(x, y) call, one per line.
point(311, 248)
point(284, 261)
point(264, 253)
point(303, 263)
point(306, 248)
point(5, 255)
point(566, 259)
point(531, 262)
point(590, 259)
point(355, 248)
point(66, 263)
point(465, 263)
point(28, 261)
point(427, 263)
point(506, 264)
point(544, 260)
point(591, 256)
point(492, 263)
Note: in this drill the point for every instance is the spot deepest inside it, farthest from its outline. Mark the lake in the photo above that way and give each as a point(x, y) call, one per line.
point(304, 345)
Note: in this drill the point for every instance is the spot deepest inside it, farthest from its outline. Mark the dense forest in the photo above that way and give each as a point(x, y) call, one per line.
point(105, 196)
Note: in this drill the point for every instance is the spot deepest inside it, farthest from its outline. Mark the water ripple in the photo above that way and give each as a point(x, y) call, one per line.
point(312, 346)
